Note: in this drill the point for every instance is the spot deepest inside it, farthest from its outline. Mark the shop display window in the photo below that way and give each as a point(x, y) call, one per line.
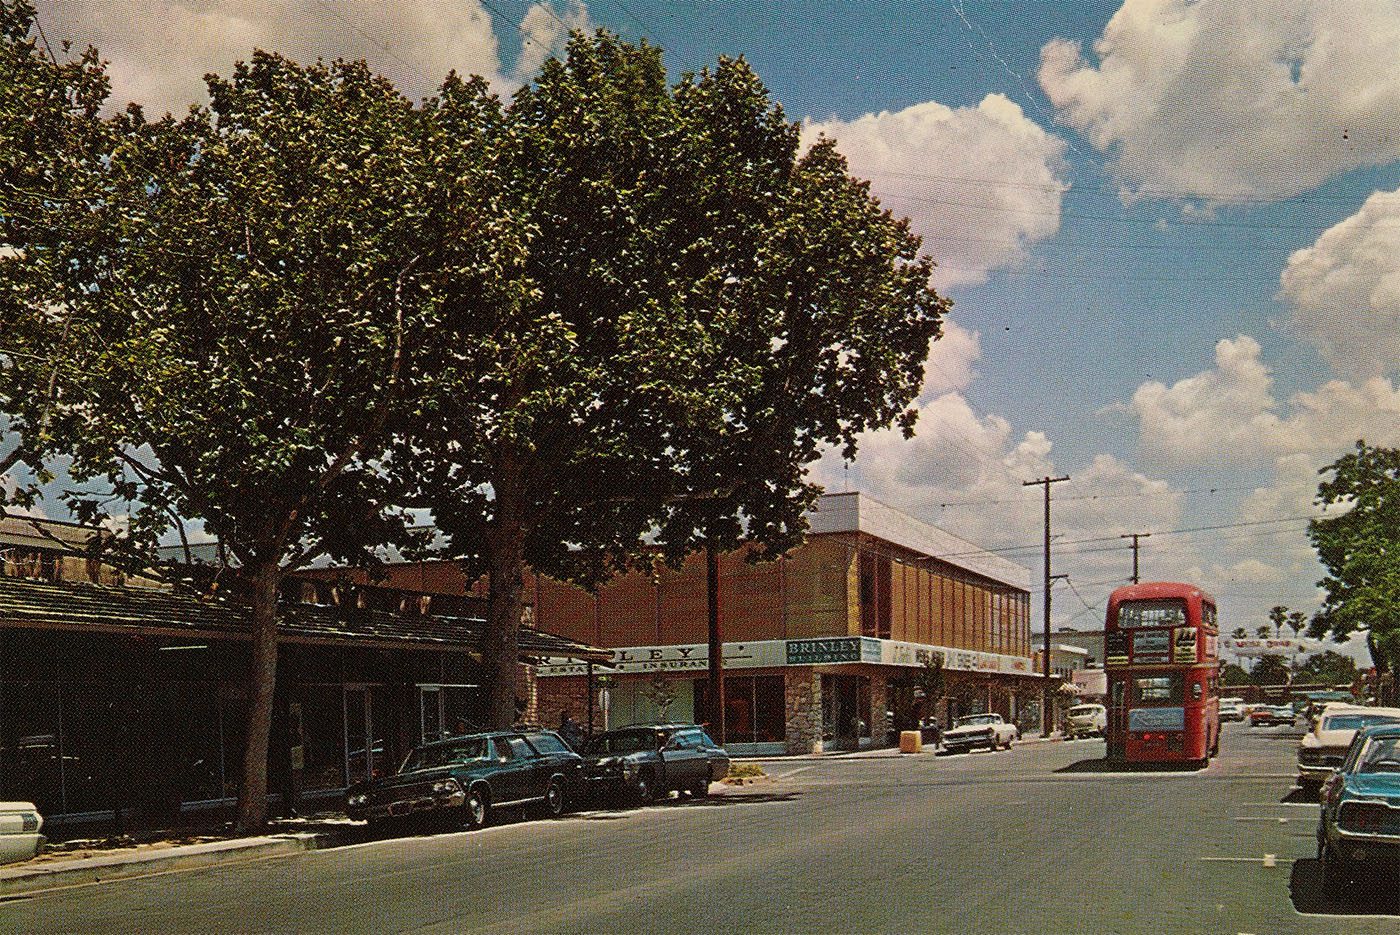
point(30, 765)
point(322, 738)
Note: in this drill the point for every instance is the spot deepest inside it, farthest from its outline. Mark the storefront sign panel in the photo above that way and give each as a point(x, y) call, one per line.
point(820, 652)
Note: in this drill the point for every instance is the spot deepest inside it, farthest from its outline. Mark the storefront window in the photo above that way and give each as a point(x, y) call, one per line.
point(91, 742)
point(30, 768)
point(770, 710)
point(322, 738)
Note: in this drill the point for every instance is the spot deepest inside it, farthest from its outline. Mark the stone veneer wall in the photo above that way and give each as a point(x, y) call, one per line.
point(802, 694)
point(560, 694)
point(879, 709)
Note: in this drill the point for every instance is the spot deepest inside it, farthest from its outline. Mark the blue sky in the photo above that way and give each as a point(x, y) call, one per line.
point(1171, 231)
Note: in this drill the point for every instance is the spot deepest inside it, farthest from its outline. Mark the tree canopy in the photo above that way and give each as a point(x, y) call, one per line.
point(689, 311)
point(1360, 550)
point(227, 301)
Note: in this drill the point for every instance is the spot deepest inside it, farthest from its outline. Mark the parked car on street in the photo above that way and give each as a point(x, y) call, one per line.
point(652, 761)
point(1324, 747)
point(1086, 720)
point(468, 778)
point(1232, 709)
point(1269, 715)
point(19, 831)
point(979, 730)
point(1358, 834)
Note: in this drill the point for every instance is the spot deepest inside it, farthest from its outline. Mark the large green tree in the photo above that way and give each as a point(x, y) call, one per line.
point(50, 133)
point(1360, 549)
point(234, 297)
point(1331, 668)
point(693, 309)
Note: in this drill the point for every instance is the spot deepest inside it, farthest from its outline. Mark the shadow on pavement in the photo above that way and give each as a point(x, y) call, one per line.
point(1362, 898)
point(1104, 765)
point(1298, 795)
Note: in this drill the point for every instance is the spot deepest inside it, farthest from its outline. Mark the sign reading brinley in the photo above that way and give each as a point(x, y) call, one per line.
point(804, 652)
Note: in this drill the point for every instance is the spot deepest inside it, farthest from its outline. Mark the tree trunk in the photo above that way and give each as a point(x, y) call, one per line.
point(500, 649)
point(262, 684)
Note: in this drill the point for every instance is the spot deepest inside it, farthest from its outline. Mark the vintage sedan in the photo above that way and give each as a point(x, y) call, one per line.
point(466, 778)
point(19, 831)
point(979, 730)
point(1271, 715)
point(1323, 748)
point(1358, 834)
point(649, 762)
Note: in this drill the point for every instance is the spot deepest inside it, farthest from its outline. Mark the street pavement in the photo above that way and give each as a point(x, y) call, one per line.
point(1043, 838)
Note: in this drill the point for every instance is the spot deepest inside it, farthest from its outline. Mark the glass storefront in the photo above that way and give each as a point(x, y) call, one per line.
point(105, 725)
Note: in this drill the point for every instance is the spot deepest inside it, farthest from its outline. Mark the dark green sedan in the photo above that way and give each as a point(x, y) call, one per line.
point(466, 778)
point(1358, 836)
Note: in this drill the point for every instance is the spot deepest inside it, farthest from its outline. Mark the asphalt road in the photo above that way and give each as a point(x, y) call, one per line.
point(1038, 839)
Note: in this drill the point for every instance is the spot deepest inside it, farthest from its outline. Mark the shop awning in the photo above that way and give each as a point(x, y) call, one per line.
point(97, 608)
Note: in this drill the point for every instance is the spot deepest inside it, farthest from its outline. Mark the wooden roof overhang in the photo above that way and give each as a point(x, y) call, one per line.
point(91, 608)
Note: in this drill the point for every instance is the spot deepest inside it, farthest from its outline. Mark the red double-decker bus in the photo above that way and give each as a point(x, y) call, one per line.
point(1162, 659)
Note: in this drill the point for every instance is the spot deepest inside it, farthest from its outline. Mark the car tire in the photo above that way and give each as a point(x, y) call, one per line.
point(555, 801)
point(700, 789)
point(476, 810)
point(644, 789)
point(1335, 875)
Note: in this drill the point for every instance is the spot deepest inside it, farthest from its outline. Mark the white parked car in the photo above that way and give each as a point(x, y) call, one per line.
point(1232, 709)
point(1086, 720)
point(19, 831)
point(1323, 748)
point(979, 730)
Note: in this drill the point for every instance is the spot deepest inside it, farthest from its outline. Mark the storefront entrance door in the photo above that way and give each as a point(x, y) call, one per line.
point(840, 712)
point(366, 736)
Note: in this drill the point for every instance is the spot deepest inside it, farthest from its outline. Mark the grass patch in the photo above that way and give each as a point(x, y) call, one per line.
point(745, 771)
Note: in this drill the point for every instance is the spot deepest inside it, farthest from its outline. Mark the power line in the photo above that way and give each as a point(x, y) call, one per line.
point(1110, 219)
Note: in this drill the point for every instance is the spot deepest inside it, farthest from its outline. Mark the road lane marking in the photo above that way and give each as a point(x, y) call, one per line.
point(1281, 821)
point(789, 775)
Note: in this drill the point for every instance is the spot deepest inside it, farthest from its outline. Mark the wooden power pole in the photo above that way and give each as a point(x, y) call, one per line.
point(1135, 536)
point(1045, 723)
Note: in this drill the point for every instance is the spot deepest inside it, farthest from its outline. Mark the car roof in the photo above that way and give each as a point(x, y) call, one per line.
point(1379, 730)
point(633, 728)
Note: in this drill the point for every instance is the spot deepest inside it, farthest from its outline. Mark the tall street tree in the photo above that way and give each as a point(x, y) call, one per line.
point(234, 297)
point(691, 310)
point(50, 133)
point(1360, 550)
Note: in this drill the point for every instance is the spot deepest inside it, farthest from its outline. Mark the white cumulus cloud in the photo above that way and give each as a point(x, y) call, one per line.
point(1228, 414)
point(980, 184)
point(160, 49)
point(1345, 289)
point(1253, 98)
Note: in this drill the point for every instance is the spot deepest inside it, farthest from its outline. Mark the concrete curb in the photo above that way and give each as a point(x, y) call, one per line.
point(23, 881)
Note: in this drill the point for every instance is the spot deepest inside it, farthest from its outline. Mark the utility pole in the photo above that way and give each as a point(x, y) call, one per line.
point(1135, 536)
point(714, 695)
point(1045, 598)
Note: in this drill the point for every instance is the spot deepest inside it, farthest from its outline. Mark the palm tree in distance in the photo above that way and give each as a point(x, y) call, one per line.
point(1262, 633)
point(1278, 616)
point(1296, 621)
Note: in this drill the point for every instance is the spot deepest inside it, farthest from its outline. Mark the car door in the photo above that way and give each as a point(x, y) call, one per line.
point(531, 769)
point(684, 760)
point(507, 778)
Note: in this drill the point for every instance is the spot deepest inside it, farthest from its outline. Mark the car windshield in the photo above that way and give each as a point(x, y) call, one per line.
point(1355, 721)
point(1084, 709)
point(977, 719)
point(445, 754)
point(1382, 756)
point(629, 742)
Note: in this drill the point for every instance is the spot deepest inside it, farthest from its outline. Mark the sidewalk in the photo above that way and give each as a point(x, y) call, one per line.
point(54, 872)
point(874, 753)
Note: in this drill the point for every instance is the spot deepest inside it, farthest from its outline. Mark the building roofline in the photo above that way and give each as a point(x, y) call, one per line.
point(865, 514)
